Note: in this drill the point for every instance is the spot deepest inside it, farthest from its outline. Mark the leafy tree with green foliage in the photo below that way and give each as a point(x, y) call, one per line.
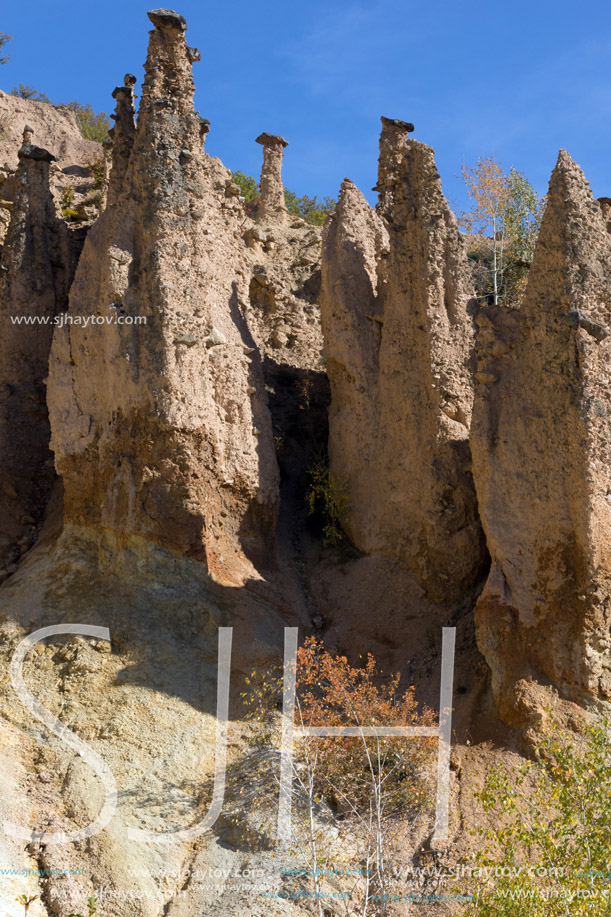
point(28, 92)
point(249, 190)
point(249, 187)
point(522, 215)
point(308, 208)
point(93, 125)
point(506, 214)
point(330, 496)
point(4, 39)
point(547, 850)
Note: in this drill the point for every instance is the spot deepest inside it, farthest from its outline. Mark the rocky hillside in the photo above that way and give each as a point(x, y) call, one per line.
point(171, 369)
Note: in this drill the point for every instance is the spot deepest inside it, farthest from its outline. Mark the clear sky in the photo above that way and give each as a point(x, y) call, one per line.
point(517, 79)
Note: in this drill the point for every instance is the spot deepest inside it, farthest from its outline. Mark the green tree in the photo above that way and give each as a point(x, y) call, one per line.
point(28, 92)
point(93, 125)
point(249, 190)
point(506, 215)
point(310, 209)
point(331, 497)
point(4, 39)
point(249, 187)
point(547, 848)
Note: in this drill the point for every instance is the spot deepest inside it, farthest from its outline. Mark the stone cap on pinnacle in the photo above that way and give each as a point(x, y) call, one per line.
point(121, 90)
point(29, 151)
point(162, 17)
point(265, 139)
point(395, 122)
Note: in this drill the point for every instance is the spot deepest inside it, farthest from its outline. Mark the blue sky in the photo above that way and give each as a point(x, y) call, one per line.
point(516, 80)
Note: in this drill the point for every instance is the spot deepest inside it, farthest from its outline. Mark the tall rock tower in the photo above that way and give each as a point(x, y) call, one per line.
point(160, 424)
point(541, 440)
point(398, 338)
point(38, 261)
point(272, 206)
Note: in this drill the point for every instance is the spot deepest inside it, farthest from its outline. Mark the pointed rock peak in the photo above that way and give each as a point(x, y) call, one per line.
point(565, 160)
point(122, 134)
point(354, 223)
point(407, 173)
point(347, 188)
point(354, 217)
point(350, 196)
point(568, 185)
point(162, 19)
point(573, 249)
point(124, 114)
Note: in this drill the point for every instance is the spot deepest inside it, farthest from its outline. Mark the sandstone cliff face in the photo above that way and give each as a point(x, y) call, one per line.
point(398, 339)
point(54, 126)
point(56, 129)
point(282, 309)
point(162, 429)
point(37, 266)
point(542, 461)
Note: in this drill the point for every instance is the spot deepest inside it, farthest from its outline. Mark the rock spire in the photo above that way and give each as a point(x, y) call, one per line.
point(395, 304)
point(272, 206)
point(159, 414)
point(541, 445)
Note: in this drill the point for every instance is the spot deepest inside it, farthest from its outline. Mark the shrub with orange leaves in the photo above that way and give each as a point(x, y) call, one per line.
point(331, 692)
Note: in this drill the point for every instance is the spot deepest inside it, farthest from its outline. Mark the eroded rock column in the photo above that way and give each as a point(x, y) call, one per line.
point(122, 136)
point(541, 441)
point(35, 273)
point(398, 336)
point(272, 206)
point(393, 148)
point(354, 240)
point(159, 413)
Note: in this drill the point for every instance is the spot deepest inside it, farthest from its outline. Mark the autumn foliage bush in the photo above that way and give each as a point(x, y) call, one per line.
point(354, 796)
